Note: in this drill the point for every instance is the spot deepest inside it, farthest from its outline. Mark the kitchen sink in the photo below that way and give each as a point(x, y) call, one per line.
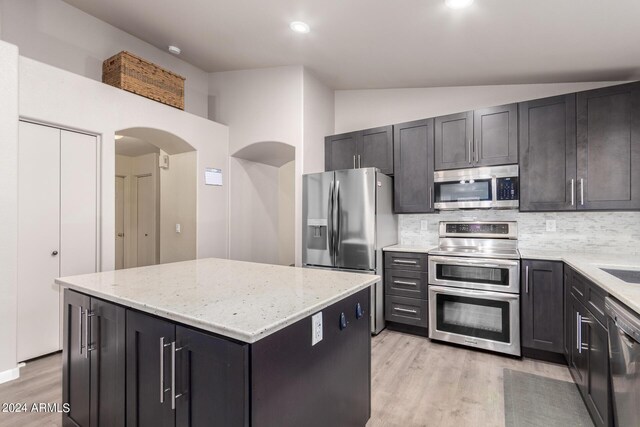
point(629, 276)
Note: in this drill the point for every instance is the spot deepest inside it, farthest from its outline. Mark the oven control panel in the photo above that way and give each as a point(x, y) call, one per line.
point(477, 228)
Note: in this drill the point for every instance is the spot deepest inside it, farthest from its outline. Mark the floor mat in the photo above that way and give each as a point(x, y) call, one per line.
point(534, 400)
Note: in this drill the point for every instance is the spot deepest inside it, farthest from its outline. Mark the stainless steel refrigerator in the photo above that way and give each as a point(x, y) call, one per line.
point(347, 218)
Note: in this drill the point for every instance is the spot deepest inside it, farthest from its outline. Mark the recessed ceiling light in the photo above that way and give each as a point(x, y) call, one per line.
point(119, 137)
point(457, 4)
point(299, 27)
point(175, 50)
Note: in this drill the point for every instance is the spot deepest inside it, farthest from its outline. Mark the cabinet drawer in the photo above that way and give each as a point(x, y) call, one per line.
point(412, 284)
point(595, 302)
point(410, 311)
point(578, 286)
point(406, 261)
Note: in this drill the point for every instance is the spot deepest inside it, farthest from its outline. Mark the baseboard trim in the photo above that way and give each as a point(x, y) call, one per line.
point(10, 374)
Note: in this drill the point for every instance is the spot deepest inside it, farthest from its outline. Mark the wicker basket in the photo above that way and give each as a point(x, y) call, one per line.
point(134, 74)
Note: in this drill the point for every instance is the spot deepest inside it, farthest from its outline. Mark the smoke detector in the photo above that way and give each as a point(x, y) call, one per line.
point(175, 50)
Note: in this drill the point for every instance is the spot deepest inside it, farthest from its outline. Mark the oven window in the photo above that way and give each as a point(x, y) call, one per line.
point(473, 317)
point(463, 191)
point(472, 274)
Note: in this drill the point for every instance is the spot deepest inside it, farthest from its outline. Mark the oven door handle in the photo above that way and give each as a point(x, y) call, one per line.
point(500, 296)
point(477, 262)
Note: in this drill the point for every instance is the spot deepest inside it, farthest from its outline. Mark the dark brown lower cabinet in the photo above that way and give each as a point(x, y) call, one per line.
point(93, 361)
point(542, 298)
point(125, 367)
point(177, 376)
point(588, 357)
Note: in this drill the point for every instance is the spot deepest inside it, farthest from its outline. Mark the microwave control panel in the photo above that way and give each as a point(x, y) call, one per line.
point(507, 188)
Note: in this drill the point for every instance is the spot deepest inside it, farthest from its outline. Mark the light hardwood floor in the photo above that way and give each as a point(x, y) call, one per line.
point(415, 382)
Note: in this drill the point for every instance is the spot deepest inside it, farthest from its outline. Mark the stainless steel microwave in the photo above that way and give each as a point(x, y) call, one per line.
point(477, 188)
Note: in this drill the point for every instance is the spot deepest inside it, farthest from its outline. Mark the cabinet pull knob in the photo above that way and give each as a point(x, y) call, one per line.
point(354, 161)
point(526, 279)
point(581, 192)
point(54, 253)
point(573, 190)
point(359, 162)
point(470, 151)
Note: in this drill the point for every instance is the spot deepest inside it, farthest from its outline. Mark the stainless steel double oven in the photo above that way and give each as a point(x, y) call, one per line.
point(474, 286)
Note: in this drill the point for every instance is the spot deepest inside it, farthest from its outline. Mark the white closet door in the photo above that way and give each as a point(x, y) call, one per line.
point(146, 221)
point(38, 240)
point(78, 203)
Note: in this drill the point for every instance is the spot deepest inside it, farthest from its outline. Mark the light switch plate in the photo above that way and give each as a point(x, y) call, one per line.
point(551, 225)
point(178, 228)
point(424, 225)
point(316, 328)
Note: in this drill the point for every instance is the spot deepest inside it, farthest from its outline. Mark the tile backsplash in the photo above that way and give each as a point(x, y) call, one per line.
point(609, 232)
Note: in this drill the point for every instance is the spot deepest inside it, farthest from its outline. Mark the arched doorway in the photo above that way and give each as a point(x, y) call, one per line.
point(155, 198)
point(262, 203)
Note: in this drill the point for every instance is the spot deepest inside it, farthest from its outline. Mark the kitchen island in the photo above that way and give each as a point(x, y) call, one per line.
point(217, 342)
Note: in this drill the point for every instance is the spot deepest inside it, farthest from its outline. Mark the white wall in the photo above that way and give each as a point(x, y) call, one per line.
point(58, 34)
point(258, 105)
point(286, 214)
point(253, 219)
point(318, 121)
point(362, 109)
point(8, 208)
point(55, 96)
point(178, 206)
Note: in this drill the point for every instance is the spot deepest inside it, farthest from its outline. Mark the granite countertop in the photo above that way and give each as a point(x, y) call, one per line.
point(241, 300)
point(408, 248)
point(589, 265)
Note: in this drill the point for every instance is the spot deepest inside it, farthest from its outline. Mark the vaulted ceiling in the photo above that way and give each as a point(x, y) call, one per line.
point(356, 44)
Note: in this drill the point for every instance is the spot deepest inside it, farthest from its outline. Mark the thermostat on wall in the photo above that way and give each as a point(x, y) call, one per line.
point(213, 176)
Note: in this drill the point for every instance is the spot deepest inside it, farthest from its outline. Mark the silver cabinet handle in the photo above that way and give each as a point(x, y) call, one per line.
point(579, 333)
point(476, 152)
point(430, 197)
point(173, 375)
point(359, 162)
point(161, 369)
point(404, 310)
point(354, 161)
point(581, 192)
point(402, 261)
point(573, 190)
point(526, 279)
point(87, 347)
point(402, 282)
point(81, 312)
point(469, 152)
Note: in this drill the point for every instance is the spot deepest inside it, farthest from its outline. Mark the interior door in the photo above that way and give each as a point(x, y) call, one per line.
point(146, 221)
point(316, 219)
point(356, 219)
point(39, 241)
point(78, 203)
point(119, 222)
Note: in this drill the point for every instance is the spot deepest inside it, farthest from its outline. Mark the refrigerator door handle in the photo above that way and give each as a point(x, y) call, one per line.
point(330, 221)
point(336, 248)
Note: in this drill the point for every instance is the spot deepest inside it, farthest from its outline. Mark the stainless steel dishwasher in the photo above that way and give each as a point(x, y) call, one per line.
point(624, 362)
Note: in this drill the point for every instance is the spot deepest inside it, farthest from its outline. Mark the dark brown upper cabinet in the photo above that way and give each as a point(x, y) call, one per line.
point(453, 141)
point(413, 163)
point(495, 131)
point(548, 154)
point(361, 149)
point(608, 148)
point(340, 151)
point(484, 137)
